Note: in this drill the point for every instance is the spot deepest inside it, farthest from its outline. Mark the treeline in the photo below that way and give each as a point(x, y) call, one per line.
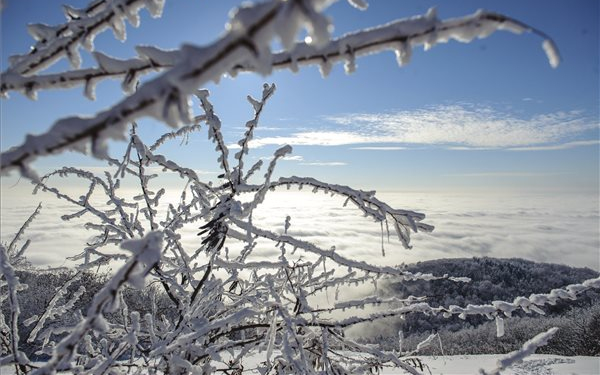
point(44, 288)
point(492, 279)
point(495, 279)
point(578, 334)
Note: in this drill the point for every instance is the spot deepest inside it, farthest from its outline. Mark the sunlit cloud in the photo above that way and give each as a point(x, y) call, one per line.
point(321, 138)
point(546, 228)
point(457, 127)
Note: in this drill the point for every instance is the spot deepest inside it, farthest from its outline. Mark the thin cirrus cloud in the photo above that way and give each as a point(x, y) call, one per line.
point(301, 161)
point(563, 146)
point(457, 127)
point(380, 148)
point(326, 163)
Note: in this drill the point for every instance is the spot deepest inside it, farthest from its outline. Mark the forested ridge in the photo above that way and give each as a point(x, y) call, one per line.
point(491, 279)
point(495, 279)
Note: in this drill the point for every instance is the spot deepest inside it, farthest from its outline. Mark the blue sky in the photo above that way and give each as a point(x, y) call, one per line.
point(487, 115)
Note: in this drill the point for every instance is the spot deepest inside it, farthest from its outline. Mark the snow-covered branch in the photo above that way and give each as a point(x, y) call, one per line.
point(55, 42)
point(12, 281)
point(399, 36)
point(404, 221)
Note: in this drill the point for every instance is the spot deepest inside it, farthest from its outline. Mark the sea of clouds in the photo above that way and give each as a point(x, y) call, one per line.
point(557, 228)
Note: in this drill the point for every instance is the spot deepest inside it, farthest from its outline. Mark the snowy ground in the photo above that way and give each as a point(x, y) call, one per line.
point(538, 364)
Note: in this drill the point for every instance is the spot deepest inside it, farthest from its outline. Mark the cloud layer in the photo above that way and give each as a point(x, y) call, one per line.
point(459, 126)
point(547, 228)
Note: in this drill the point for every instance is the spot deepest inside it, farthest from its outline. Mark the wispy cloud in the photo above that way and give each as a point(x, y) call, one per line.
point(562, 146)
point(457, 126)
point(326, 163)
point(500, 174)
point(302, 161)
point(321, 138)
point(380, 148)
point(100, 170)
point(292, 158)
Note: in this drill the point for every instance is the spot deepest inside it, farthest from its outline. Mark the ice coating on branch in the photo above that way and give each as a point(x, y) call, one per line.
point(12, 282)
point(499, 326)
point(155, 7)
point(83, 25)
point(52, 310)
point(359, 4)
point(148, 249)
point(159, 56)
point(551, 52)
point(41, 32)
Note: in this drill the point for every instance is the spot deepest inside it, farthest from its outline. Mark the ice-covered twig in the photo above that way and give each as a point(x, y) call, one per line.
point(401, 36)
point(11, 247)
point(335, 256)
point(533, 303)
point(51, 311)
point(54, 42)
point(125, 230)
point(250, 126)
point(214, 133)
point(184, 131)
point(12, 281)
point(404, 220)
point(261, 191)
point(526, 350)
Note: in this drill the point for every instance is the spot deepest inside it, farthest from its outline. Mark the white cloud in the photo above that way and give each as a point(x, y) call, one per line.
point(500, 174)
point(461, 126)
point(320, 138)
point(99, 170)
point(380, 148)
point(300, 158)
point(562, 146)
point(326, 163)
point(563, 228)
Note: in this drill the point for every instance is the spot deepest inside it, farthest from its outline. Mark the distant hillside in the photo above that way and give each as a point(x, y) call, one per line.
point(492, 279)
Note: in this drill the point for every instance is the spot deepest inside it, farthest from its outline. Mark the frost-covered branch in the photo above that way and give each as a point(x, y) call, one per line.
point(12, 281)
point(404, 221)
point(250, 126)
point(55, 42)
point(334, 255)
point(398, 36)
point(11, 247)
point(51, 309)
